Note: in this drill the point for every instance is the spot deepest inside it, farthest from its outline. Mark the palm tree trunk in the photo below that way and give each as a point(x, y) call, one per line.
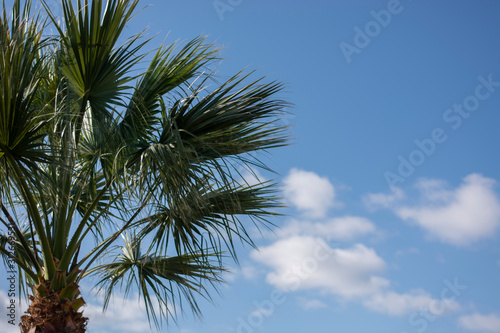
point(49, 312)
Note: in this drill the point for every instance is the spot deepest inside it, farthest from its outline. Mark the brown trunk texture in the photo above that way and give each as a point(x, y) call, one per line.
point(52, 314)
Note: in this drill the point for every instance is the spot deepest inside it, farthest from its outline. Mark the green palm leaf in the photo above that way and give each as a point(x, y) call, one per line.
point(21, 66)
point(170, 280)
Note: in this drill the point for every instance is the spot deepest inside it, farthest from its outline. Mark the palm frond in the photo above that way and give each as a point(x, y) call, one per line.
point(232, 120)
point(95, 67)
point(17, 252)
point(210, 215)
point(167, 71)
point(21, 71)
point(162, 281)
point(22, 149)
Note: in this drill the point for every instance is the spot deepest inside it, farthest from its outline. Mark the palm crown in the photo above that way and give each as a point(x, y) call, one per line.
point(130, 177)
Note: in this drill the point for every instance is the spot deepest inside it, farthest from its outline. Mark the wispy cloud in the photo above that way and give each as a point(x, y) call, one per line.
point(374, 201)
point(395, 304)
point(479, 322)
point(309, 304)
point(339, 228)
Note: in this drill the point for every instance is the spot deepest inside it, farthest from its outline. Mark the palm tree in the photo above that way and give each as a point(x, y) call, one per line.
point(130, 179)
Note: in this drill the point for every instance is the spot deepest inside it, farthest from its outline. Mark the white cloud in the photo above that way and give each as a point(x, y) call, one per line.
point(395, 304)
point(312, 304)
point(310, 193)
point(123, 315)
point(340, 228)
point(434, 190)
point(374, 201)
point(249, 272)
point(479, 322)
point(459, 217)
point(305, 262)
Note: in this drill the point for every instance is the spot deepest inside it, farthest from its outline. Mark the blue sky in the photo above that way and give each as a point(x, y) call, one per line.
point(392, 180)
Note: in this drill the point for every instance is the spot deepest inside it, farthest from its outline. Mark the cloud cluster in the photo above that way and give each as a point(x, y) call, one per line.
point(355, 273)
point(302, 257)
point(306, 262)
